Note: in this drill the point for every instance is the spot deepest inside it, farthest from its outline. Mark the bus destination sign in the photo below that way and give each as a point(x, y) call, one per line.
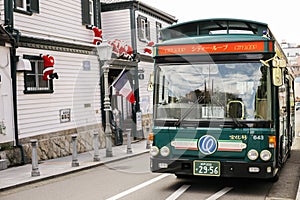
point(229, 47)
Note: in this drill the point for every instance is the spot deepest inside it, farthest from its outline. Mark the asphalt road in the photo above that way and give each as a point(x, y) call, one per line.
point(131, 179)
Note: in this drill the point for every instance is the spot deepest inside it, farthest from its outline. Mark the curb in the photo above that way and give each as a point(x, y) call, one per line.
point(73, 170)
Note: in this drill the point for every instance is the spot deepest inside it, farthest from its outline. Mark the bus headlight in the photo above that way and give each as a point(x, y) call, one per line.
point(252, 154)
point(154, 151)
point(164, 151)
point(265, 155)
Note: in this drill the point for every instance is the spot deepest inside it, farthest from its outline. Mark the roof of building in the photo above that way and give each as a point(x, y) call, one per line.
point(115, 1)
point(117, 4)
point(4, 36)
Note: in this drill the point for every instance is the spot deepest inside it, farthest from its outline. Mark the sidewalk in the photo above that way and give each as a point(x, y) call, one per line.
point(17, 176)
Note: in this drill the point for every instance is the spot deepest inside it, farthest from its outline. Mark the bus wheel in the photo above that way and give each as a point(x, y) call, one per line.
point(289, 152)
point(275, 178)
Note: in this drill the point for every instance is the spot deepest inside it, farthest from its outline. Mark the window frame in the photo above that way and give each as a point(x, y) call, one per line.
point(91, 16)
point(24, 6)
point(158, 33)
point(36, 62)
point(91, 12)
point(30, 7)
point(143, 28)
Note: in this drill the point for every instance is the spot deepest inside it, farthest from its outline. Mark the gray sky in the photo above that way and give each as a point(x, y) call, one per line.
point(282, 18)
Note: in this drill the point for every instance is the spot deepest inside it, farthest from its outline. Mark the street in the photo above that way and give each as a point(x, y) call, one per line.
point(131, 179)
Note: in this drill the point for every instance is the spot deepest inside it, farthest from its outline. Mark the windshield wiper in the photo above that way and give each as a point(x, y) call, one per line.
point(237, 122)
point(189, 110)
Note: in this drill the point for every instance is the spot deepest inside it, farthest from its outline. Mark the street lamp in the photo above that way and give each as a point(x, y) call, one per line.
point(104, 52)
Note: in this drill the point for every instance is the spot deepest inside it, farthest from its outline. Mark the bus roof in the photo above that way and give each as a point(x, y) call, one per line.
point(218, 37)
point(214, 26)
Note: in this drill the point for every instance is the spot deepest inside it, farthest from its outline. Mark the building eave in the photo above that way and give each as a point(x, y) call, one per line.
point(5, 37)
point(39, 43)
point(137, 5)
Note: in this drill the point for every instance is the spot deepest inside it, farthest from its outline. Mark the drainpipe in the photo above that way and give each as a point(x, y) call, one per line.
point(136, 106)
point(8, 12)
point(14, 88)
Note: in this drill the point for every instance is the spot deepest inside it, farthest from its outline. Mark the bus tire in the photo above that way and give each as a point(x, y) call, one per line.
point(274, 178)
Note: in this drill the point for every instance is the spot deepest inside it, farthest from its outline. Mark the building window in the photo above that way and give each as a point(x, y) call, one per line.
point(33, 80)
point(158, 27)
point(21, 4)
point(143, 28)
point(91, 12)
point(26, 6)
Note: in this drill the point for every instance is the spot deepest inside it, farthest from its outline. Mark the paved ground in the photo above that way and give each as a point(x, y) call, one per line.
point(288, 183)
point(17, 176)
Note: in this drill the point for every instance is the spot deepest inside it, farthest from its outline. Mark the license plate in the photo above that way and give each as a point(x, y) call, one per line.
point(206, 168)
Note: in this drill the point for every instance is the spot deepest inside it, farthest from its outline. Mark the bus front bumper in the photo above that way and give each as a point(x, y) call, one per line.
point(264, 170)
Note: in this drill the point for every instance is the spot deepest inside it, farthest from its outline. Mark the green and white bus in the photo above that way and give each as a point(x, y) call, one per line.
point(223, 101)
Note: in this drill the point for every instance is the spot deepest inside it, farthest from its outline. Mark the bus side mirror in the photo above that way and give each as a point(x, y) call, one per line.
point(276, 70)
point(277, 64)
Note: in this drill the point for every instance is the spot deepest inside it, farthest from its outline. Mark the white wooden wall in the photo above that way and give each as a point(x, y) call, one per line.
point(2, 12)
point(116, 25)
point(152, 20)
point(146, 97)
point(76, 89)
point(57, 20)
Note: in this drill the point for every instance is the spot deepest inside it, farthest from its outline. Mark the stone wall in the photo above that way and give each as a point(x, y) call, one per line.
point(59, 144)
point(54, 145)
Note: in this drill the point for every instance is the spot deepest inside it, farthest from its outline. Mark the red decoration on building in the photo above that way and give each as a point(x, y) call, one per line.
point(148, 48)
point(48, 72)
point(121, 49)
point(97, 35)
point(97, 40)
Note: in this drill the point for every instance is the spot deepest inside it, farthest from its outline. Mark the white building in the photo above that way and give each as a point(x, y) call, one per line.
point(51, 111)
point(292, 52)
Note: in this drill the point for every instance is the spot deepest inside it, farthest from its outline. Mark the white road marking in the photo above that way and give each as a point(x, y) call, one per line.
point(122, 194)
point(220, 193)
point(178, 192)
point(298, 192)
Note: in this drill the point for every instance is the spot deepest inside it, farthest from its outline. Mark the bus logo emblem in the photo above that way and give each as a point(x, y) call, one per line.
point(207, 144)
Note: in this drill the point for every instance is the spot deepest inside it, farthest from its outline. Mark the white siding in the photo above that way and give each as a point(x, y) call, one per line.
point(152, 20)
point(57, 20)
point(116, 25)
point(146, 97)
point(1, 11)
point(76, 89)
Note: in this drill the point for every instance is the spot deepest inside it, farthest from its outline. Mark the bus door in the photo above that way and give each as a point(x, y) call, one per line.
point(284, 120)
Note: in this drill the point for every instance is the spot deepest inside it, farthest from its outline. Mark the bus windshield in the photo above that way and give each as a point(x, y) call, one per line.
point(213, 91)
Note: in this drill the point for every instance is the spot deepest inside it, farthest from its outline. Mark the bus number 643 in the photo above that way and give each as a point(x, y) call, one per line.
point(258, 137)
